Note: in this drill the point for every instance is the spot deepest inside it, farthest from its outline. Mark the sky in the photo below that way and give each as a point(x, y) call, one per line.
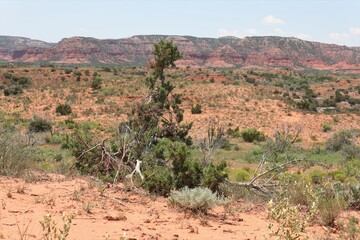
point(329, 21)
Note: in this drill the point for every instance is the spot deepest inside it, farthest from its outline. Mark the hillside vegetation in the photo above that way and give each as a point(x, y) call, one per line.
point(286, 140)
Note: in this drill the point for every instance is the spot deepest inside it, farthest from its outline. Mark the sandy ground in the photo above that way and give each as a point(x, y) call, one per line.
point(121, 214)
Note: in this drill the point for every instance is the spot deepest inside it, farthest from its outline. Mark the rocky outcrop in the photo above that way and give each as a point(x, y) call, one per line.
point(209, 52)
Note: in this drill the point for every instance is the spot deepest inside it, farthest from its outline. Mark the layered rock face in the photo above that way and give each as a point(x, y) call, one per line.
point(208, 52)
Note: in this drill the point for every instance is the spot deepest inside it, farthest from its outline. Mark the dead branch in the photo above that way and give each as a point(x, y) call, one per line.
point(137, 169)
point(215, 139)
point(263, 177)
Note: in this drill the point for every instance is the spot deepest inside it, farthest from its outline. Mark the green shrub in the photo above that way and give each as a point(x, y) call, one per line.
point(189, 173)
point(226, 145)
point(197, 200)
point(292, 222)
point(350, 152)
point(353, 197)
point(13, 90)
point(159, 180)
point(88, 161)
point(250, 80)
point(96, 83)
point(326, 127)
point(329, 210)
point(297, 189)
point(352, 230)
point(338, 175)
point(233, 132)
point(213, 175)
point(317, 176)
point(196, 109)
point(185, 170)
point(55, 138)
point(38, 124)
point(16, 156)
point(251, 135)
point(242, 175)
point(106, 69)
point(63, 109)
point(338, 140)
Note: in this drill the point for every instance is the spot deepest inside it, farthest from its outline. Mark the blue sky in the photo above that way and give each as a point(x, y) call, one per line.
point(330, 21)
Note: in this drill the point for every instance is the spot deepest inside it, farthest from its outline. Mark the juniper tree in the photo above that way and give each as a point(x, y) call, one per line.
point(158, 115)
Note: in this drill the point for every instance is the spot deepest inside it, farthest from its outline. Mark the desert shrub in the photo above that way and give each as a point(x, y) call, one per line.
point(340, 95)
point(213, 175)
point(331, 201)
point(14, 84)
point(196, 109)
point(250, 80)
point(350, 152)
point(242, 175)
point(291, 221)
point(317, 176)
point(88, 161)
point(16, 156)
point(188, 173)
point(308, 104)
point(17, 81)
point(12, 90)
point(253, 156)
point(50, 230)
point(340, 139)
point(251, 135)
point(338, 175)
point(87, 72)
point(226, 145)
point(185, 170)
point(96, 83)
point(236, 192)
point(38, 124)
point(197, 200)
point(77, 73)
point(159, 180)
point(108, 91)
point(55, 138)
point(233, 132)
point(298, 189)
point(352, 229)
point(63, 109)
point(106, 69)
point(329, 210)
point(326, 127)
point(328, 102)
point(353, 195)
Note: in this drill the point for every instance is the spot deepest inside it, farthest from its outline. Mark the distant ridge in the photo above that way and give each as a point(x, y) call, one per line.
point(268, 51)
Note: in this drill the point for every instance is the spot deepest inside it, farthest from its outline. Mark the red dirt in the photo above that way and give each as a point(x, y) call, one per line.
point(119, 213)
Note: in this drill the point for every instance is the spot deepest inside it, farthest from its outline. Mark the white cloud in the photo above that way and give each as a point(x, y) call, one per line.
point(236, 33)
point(271, 20)
point(340, 36)
point(352, 33)
point(355, 30)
